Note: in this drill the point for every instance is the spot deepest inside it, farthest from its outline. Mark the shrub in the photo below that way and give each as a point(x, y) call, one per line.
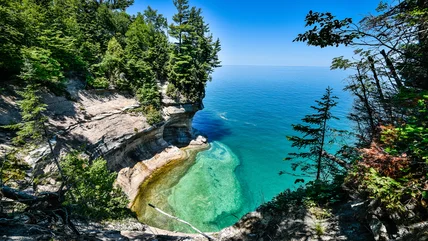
point(314, 192)
point(171, 90)
point(98, 83)
point(93, 190)
point(13, 169)
point(149, 95)
point(153, 116)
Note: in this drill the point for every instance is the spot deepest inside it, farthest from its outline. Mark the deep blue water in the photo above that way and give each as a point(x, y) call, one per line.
point(248, 113)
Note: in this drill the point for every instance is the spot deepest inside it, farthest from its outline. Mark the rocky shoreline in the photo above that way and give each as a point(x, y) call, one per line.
point(131, 179)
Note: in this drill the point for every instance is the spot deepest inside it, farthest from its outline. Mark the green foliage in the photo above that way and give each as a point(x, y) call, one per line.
point(153, 115)
point(319, 229)
point(138, 44)
point(43, 41)
point(389, 191)
point(314, 139)
point(171, 91)
point(32, 125)
point(112, 64)
point(316, 192)
point(412, 136)
point(40, 68)
point(11, 38)
point(327, 30)
point(12, 169)
point(194, 56)
point(149, 94)
point(98, 83)
point(93, 188)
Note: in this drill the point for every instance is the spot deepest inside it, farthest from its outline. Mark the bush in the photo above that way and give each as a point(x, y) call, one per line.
point(171, 90)
point(98, 83)
point(153, 116)
point(13, 169)
point(93, 190)
point(314, 192)
point(149, 95)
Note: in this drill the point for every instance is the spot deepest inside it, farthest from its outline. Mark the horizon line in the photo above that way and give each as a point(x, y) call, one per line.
point(265, 65)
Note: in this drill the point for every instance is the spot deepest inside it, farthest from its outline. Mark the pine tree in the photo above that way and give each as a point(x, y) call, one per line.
point(195, 54)
point(159, 48)
point(138, 42)
point(180, 18)
point(32, 125)
point(113, 63)
point(315, 133)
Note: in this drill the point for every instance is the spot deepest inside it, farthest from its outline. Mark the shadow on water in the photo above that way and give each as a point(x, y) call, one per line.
point(211, 125)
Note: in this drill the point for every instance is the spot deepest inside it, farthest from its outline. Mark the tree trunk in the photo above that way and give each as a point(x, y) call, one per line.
point(379, 89)
point(365, 100)
point(392, 69)
point(322, 144)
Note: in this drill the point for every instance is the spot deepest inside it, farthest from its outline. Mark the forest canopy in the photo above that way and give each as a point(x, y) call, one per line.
point(44, 42)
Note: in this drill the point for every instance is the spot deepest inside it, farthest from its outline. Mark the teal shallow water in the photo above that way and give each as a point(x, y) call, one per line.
point(209, 194)
point(248, 114)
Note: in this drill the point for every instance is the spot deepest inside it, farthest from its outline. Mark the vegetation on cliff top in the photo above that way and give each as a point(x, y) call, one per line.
point(42, 43)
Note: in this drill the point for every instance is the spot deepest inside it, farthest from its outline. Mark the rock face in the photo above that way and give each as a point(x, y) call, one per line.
point(297, 224)
point(107, 123)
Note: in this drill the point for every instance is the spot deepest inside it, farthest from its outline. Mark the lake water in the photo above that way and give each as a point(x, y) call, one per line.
point(248, 114)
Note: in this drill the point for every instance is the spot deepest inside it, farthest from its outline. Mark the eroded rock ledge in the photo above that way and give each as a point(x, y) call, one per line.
point(107, 123)
point(131, 178)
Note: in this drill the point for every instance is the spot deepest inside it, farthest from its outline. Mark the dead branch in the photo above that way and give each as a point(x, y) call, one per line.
point(49, 203)
point(340, 162)
point(180, 220)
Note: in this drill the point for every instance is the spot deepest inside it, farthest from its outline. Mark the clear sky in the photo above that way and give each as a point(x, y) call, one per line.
point(261, 32)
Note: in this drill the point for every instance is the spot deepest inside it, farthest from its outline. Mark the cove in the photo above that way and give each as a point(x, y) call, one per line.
point(202, 188)
point(248, 114)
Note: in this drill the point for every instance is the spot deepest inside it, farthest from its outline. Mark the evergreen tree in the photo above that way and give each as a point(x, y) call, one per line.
point(195, 55)
point(315, 135)
point(33, 120)
point(159, 49)
point(180, 18)
point(158, 21)
point(113, 63)
point(138, 43)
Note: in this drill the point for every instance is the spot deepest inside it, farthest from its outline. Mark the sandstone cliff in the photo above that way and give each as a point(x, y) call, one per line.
point(104, 123)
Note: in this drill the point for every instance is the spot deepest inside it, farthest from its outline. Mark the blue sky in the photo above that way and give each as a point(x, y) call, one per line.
point(261, 32)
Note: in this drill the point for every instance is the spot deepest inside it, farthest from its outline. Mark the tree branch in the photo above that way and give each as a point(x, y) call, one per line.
point(340, 162)
point(180, 220)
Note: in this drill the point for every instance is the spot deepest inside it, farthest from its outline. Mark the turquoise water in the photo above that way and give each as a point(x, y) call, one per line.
point(210, 191)
point(248, 113)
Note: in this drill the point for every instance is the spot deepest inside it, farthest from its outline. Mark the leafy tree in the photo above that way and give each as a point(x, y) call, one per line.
point(315, 136)
point(112, 64)
point(92, 187)
point(40, 68)
point(137, 47)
